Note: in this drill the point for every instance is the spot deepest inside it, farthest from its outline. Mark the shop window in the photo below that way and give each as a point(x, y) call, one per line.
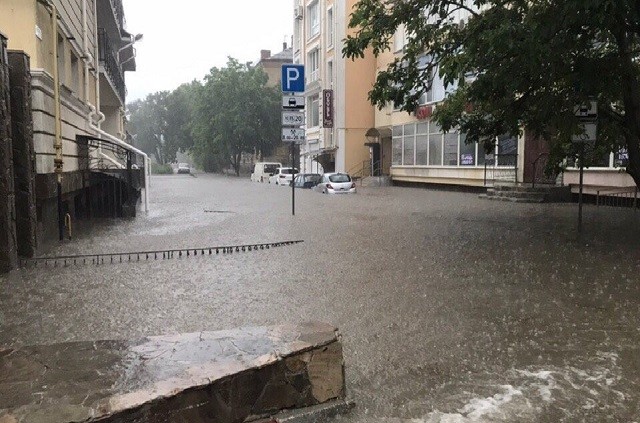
point(435, 145)
point(621, 158)
point(451, 149)
point(467, 152)
point(396, 154)
point(408, 142)
point(422, 144)
point(507, 150)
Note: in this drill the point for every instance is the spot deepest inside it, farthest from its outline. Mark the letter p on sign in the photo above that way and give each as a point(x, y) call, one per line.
point(292, 78)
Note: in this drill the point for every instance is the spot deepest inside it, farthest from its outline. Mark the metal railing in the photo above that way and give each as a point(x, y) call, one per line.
point(364, 170)
point(501, 168)
point(111, 66)
point(620, 197)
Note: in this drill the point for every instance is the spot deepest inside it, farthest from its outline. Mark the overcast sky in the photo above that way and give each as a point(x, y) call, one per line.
point(184, 39)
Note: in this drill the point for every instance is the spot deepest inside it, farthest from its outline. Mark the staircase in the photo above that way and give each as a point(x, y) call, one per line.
point(519, 193)
point(376, 181)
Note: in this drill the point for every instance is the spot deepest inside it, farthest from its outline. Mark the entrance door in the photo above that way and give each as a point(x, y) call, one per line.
point(376, 162)
point(386, 156)
point(536, 152)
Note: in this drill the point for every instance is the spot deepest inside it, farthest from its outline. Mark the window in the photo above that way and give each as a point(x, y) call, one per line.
point(61, 61)
point(75, 74)
point(297, 35)
point(435, 144)
point(329, 29)
point(313, 61)
point(408, 141)
point(396, 153)
point(314, 111)
point(467, 152)
point(339, 177)
point(313, 14)
point(330, 73)
point(507, 150)
point(399, 39)
point(451, 149)
point(422, 142)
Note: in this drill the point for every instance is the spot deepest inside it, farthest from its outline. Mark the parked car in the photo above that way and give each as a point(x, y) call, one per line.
point(336, 183)
point(184, 168)
point(262, 171)
point(306, 180)
point(283, 176)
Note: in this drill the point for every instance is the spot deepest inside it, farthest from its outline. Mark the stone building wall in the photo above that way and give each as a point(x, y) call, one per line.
point(23, 152)
point(8, 250)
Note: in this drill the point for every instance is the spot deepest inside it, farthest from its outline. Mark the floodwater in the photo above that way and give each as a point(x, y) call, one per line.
point(451, 308)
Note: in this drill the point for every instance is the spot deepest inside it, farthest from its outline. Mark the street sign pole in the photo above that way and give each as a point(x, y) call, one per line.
point(587, 114)
point(581, 188)
point(293, 104)
point(293, 187)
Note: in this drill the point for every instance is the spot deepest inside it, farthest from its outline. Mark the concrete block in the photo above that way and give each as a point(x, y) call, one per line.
point(226, 377)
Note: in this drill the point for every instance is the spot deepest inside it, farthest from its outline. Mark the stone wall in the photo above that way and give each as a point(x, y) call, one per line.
point(23, 153)
point(8, 251)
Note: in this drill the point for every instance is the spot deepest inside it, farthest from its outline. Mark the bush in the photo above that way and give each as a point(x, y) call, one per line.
point(158, 169)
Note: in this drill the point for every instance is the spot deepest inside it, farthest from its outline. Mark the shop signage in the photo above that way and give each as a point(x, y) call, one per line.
point(466, 160)
point(327, 108)
point(424, 112)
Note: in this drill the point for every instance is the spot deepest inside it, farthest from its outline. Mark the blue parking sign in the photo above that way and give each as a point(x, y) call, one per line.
point(292, 78)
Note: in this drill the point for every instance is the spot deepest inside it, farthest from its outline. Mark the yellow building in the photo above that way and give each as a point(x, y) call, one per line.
point(79, 52)
point(335, 133)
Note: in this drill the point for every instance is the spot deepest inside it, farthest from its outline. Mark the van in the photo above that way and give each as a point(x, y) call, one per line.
point(263, 170)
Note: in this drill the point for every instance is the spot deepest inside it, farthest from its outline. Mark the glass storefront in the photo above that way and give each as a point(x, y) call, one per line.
point(424, 144)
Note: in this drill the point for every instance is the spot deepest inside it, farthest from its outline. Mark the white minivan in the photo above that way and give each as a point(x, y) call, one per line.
point(263, 170)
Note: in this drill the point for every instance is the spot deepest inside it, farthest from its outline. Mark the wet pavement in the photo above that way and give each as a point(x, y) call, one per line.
point(452, 308)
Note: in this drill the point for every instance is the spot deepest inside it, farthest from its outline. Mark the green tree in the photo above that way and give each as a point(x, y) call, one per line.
point(517, 64)
point(148, 123)
point(161, 123)
point(235, 113)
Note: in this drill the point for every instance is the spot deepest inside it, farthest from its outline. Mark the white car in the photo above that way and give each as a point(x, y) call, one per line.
point(283, 176)
point(336, 183)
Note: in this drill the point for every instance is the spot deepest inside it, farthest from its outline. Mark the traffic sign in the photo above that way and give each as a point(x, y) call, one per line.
point(293, 134)
point(290, 118)
point(587, 111)
point(292, 78)
point(292, 102)
point(589, 133)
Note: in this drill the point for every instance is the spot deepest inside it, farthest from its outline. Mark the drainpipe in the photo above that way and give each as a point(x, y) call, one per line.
point(57, 145)
point(101, 116)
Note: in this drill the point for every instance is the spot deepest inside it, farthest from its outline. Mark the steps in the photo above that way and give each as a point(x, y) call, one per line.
point(519, 193)
point(376, 181)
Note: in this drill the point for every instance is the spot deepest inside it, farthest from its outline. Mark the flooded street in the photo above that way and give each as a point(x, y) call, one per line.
point(452, 309)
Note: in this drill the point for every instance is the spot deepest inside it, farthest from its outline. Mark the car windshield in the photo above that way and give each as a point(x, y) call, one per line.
point(183, 165)
point(288, 171)
point(270, 168)
point(340, 177)
point(313, 178)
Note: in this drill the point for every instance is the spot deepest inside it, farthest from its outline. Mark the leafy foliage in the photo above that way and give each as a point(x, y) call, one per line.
point(232, 113)
point(513, 64)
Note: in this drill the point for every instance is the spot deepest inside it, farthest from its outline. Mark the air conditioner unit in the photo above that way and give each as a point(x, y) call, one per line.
point(298, 12)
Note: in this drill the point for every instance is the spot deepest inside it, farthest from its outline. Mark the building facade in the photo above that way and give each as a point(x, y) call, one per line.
point(77, 53)
point(335, 133)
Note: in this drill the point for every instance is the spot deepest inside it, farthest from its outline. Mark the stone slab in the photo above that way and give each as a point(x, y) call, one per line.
point(226, 376)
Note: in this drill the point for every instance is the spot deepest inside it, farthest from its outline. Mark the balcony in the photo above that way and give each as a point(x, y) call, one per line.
point(111, 17)
point(109, 62)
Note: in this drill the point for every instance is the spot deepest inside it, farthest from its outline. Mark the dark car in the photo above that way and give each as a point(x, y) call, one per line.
point(306, 180)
